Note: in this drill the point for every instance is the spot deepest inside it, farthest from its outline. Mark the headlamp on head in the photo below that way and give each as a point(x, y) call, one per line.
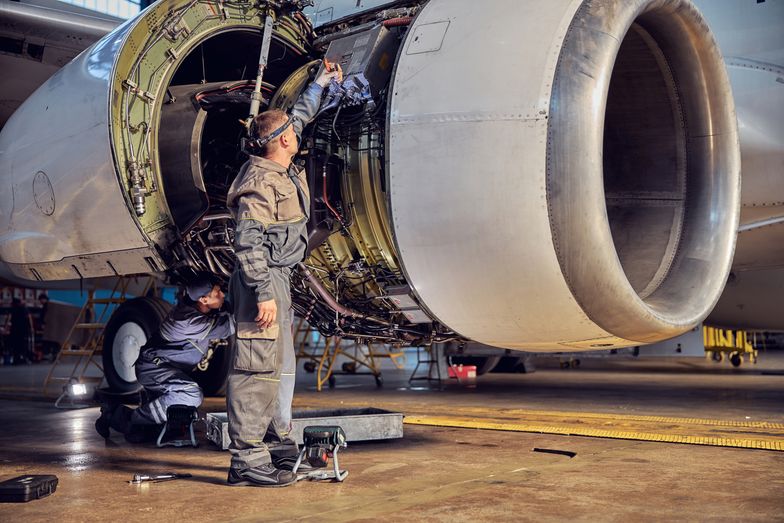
point(256, 144)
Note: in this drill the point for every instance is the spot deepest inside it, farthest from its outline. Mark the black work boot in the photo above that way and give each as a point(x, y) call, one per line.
point(265, 475)
point(102, 425)
point(287, 460)
point(283, 455)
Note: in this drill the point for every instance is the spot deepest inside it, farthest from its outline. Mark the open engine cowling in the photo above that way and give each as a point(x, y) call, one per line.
point(535, 175)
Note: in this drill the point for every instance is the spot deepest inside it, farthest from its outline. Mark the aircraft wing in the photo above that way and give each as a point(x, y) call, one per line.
point(38, 37)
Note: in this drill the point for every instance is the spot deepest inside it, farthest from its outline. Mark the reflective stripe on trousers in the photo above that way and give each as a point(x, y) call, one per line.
point(167, 386)
point(258, 401)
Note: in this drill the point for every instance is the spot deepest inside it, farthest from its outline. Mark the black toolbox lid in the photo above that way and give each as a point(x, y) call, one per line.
point(27, 487)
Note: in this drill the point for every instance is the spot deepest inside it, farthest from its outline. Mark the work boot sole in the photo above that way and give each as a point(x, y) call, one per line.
point(266, 478)
point(246, 483)
point(288, 464)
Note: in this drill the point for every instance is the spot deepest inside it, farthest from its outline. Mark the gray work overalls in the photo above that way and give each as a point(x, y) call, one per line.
point(271, 205)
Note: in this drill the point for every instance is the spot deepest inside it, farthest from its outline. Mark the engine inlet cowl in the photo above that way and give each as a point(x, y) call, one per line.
point(572, 160)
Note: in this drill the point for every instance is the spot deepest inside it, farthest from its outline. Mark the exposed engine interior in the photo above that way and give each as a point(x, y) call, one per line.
point(353, 286)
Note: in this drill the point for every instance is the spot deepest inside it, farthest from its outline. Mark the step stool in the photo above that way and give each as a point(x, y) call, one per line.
point(178, 429)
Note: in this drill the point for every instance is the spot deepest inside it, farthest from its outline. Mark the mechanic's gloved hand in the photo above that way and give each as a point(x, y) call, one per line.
point(328, 73)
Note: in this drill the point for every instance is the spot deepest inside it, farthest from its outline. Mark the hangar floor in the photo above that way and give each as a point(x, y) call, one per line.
point(438, 473)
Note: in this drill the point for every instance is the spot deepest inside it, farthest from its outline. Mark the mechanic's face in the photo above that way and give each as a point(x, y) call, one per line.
point(213, 300)
point(289, 141)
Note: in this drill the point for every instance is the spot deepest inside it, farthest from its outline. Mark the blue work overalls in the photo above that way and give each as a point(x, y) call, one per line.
point(166, 361)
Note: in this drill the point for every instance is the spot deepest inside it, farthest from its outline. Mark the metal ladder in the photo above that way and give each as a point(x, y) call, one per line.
point(81, 358)
point(321, 356)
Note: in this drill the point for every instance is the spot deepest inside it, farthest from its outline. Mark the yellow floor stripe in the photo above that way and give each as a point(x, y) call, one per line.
point(436, 421)
point(625, 417)
point(414, 407)
point(695, 431)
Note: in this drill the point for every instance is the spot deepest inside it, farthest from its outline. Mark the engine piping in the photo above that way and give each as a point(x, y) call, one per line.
point(317, 287)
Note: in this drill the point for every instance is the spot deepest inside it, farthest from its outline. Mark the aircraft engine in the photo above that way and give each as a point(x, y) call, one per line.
point(557, 175)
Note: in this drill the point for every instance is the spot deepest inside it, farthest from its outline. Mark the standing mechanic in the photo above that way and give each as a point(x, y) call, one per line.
point(270, 203)
point(167, 359)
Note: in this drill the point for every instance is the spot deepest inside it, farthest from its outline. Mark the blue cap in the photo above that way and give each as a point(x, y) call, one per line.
point(199, 286)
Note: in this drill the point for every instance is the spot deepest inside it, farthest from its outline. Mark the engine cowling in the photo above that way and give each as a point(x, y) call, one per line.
point(569, 173)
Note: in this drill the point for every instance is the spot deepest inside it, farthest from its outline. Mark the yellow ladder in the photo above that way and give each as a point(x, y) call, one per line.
point(81, 357)
point(322, 354)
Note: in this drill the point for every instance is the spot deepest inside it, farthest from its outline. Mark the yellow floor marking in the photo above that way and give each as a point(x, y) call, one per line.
point(747, 443)
point(629, 417)
point(694, 431)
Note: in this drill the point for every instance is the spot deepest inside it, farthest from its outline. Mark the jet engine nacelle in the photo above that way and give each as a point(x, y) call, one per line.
point(564, 170)
point(556, 175)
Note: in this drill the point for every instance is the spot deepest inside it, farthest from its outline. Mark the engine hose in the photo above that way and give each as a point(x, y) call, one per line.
point(397, 22)
point(326, 198)
point(316, 285)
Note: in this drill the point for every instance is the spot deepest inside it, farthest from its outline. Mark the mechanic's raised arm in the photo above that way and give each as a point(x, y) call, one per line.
point(309, 101)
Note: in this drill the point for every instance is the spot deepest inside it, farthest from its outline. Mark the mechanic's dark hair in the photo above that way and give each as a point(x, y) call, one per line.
point(265, 124)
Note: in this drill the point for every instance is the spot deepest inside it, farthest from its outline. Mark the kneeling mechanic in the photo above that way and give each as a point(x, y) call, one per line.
point(165, 363)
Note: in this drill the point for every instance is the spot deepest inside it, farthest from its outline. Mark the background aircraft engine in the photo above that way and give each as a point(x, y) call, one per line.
point(531, 175)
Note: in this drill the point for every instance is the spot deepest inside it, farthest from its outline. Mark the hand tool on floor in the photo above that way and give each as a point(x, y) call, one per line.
point(157, 478)
point(319, 444)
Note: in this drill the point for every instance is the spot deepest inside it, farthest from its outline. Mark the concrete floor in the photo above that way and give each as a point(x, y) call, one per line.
point(434, 473)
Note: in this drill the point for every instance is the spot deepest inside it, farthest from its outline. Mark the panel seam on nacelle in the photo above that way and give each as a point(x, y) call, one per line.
point(465, 117)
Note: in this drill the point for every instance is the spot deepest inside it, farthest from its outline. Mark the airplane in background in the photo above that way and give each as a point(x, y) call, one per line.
point(543, 176)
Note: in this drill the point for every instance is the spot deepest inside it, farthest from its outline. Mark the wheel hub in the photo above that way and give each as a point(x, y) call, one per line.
point(128, 341)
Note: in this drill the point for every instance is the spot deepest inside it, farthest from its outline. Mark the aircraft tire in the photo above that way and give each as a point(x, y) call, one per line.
point(130, 326)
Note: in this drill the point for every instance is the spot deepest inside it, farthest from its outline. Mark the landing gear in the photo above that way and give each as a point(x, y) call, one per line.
point(570, 363)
